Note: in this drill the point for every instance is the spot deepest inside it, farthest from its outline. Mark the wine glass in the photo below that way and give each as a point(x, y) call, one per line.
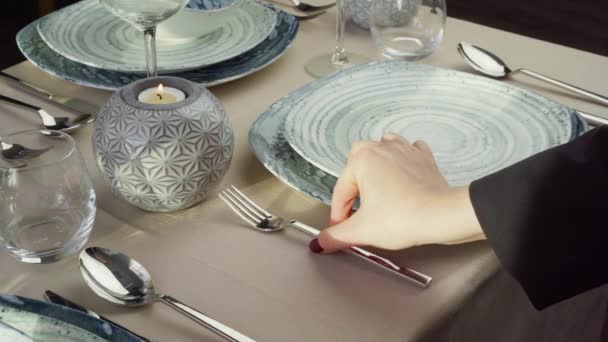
point(407, 29)
point(145, 15)
point(326, 64)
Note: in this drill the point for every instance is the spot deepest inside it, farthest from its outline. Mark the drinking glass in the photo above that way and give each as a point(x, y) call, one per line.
point(326, 64)
point(145, 15)
point(47, 203)
point(407, 29)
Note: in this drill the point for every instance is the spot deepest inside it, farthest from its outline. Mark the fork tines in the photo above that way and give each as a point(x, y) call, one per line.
point(243, 206)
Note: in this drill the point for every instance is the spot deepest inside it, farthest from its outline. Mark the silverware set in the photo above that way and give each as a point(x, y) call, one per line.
point(68, 121)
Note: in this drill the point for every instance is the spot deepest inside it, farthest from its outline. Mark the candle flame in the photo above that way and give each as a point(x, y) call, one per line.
point(159, 91)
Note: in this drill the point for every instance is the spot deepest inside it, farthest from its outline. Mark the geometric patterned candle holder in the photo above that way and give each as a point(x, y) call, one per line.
point(163, 157)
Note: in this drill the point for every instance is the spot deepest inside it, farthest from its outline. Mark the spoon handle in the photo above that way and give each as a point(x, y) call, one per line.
point(222, 330)
point(597, 97)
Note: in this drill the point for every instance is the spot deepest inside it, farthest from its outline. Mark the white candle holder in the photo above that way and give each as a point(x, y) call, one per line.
point(163, 157)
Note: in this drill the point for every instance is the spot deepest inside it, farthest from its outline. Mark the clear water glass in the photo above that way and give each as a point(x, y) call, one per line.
point(145, 15)
point(407, 29)
point(47, 203)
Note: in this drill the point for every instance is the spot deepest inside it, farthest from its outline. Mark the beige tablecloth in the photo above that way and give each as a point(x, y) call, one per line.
point(269, 286)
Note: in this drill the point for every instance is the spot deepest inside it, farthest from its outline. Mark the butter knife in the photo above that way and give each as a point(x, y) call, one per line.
point(409, 274)
point(54, 298)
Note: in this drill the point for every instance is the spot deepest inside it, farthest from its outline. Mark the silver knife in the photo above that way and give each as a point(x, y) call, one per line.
point(593, 120)
point(14, 81)
point(409, 274)
point(54, 298)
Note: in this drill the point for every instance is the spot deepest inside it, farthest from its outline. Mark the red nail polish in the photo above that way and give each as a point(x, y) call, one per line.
point(315, 247)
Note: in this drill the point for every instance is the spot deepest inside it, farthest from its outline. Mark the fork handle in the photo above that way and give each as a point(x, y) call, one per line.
point(409, 274)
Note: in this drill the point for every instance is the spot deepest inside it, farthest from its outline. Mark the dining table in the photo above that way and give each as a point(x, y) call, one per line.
point(270, 287)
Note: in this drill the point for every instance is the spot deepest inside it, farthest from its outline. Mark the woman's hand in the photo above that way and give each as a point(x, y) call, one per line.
point(405, 201)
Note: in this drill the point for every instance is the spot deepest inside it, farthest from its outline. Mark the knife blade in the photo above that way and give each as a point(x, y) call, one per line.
point(54, 298)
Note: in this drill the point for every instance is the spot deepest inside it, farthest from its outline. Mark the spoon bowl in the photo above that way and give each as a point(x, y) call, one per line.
point(121, 280)
point(483, 60)
point(17, 151)
point(138, 290)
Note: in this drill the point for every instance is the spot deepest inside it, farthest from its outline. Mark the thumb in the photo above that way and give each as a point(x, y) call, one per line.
point(340, 236)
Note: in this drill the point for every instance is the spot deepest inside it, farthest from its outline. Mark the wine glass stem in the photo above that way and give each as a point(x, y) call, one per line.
point(339, 56)
point(150, 43)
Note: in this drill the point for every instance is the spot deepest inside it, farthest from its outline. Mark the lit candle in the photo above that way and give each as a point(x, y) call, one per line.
point(161, 95)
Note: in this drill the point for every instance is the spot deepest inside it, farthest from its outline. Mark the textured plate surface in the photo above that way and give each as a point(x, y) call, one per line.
point(87, 33)
point(53, 323)
point(268, 143)
point(474, 126)
point(280, 39)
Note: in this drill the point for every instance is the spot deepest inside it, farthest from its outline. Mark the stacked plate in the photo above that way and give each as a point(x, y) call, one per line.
point(475, 126)
point(24, 319)
point(84, 44)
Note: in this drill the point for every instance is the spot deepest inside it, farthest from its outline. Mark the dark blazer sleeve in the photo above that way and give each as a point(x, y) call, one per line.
point(547, 218)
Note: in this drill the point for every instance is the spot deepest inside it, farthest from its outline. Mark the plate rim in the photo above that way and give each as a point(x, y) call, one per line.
point(58, 312)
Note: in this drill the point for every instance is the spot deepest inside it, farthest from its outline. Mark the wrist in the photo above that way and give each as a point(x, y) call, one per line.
point(453, 218)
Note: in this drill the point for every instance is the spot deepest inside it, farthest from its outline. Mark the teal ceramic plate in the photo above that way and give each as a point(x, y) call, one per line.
point(273, 47)
point(24, 319)
point(474, 125)
point(87, 33)
point(267, 135)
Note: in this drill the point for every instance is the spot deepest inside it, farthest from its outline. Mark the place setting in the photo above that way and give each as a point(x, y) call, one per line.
point(163, 142)
point(242, 38)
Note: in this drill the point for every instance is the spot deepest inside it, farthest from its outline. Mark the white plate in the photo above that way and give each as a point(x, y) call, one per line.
point(474, 126)
point(87, 33)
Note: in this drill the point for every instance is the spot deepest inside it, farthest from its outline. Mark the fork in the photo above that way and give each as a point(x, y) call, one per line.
point(262, 220)
point(303, 7)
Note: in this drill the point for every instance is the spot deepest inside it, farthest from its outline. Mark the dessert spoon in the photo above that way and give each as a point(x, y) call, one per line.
point(124, 281)
point(491, 65)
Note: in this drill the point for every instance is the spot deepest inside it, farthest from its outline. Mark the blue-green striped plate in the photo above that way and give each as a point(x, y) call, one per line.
point(474, 125)
point(278, 42)
point(267, 136)
point(25, 319)
point(87, 33)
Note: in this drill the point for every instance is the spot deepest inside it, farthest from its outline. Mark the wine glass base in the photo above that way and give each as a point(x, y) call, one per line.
point(320, 66)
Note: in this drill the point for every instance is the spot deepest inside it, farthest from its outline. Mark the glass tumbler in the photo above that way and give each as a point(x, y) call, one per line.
point(407, 29)
point(47, 202)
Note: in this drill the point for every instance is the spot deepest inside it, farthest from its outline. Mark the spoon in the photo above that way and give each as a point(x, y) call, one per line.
point(488, 63)
point(57, 123)
point(122, 280)
point(17, 151)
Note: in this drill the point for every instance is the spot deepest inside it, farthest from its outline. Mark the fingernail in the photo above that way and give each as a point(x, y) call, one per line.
point(315, 247)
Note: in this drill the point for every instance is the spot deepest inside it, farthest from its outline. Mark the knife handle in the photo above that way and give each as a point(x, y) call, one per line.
point(15, 82)
point(18, 103)
point(409, 274)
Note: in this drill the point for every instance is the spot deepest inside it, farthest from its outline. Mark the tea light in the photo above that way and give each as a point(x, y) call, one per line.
point(161, 95)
